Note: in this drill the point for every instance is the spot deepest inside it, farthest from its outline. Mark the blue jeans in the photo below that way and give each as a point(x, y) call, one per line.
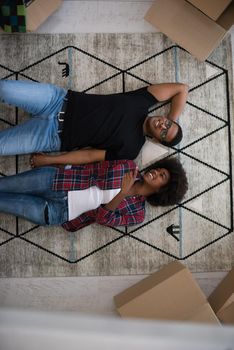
point(39, 133)
point(29, 195)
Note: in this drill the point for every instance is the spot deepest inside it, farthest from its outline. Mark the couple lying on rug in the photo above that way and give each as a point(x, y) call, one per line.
point(114, 126)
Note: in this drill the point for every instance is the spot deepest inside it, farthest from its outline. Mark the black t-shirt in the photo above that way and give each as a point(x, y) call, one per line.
point(111, 122)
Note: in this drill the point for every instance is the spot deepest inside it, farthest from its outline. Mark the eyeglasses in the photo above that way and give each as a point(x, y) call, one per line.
point(167, 124)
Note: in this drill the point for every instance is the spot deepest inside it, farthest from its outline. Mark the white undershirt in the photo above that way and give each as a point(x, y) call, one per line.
point(81, 201)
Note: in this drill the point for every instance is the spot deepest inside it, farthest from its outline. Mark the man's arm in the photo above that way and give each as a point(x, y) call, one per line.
point(81, 156)
point(176, 92)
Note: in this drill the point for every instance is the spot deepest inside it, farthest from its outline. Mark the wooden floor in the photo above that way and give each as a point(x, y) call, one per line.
point(93, 295)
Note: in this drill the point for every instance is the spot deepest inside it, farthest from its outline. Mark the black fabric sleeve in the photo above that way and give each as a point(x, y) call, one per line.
point(144, 92)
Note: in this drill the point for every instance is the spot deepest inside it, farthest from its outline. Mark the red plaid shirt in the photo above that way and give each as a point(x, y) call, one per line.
point(105, 175)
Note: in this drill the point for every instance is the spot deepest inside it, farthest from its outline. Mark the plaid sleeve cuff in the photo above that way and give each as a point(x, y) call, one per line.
point(104, 215)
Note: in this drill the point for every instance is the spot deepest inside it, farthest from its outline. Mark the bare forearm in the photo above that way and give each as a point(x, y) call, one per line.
point(54, 159)
point(73, 157)
point(82, 156)
point(175, 92)
point(178, 102)
point(114, 203)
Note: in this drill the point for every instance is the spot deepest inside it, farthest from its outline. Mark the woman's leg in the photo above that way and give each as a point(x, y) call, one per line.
point(40, 133)
point(35, 209)
point(29, 195)
point(37, 181)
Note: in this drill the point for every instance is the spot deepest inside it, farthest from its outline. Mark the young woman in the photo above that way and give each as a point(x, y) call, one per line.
point(110, 193)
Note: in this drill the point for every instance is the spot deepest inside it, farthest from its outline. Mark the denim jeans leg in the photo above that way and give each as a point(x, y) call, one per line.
point(37, 181)
point(35, 98)
point(29, 194)
point(40, 133)
point(35, 209)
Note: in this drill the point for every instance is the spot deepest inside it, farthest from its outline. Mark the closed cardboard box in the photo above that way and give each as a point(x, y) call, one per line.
point(222, 299)
point(169, 294)
point(189, 27)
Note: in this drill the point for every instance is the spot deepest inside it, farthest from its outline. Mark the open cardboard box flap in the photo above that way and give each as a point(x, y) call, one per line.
point(226, 20)
point(169, 294)
point(211, 8)
point(226, 315)
point(188, 26)
point(222, 299)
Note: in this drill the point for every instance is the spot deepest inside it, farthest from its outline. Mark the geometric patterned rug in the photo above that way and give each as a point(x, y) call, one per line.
point(199, 230)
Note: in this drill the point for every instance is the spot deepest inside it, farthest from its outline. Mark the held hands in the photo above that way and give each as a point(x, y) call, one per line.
point(128, 182)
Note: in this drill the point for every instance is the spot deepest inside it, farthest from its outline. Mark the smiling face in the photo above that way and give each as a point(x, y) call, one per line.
point(161, 128)
point(156, 179)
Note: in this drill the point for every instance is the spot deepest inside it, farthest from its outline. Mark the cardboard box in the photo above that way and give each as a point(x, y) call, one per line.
point(226, 315)
point(188, 26)
point(38, 11)
point(222, 299)
point(169, 294)
point(211, 8)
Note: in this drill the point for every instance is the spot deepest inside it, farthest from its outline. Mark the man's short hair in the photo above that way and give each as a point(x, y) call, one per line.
point(178, 137)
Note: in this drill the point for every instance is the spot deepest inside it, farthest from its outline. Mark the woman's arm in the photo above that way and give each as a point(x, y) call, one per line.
point(127, 183)
point(115, 218)
point(78, 223)
point(106, 217)
point(106, 214)
point(176, 92)
point(81, 156)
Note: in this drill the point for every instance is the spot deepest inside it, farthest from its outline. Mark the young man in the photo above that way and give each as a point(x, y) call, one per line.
point(113, 126)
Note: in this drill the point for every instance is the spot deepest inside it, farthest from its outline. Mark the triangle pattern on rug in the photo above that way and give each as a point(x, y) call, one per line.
point(214, 205)
point(4, 237)
point(133, 83)
point(192, 71)
point(71, 69)
point(26, 227)
point(88, 238)
point(197, 204)
point(212, 97)
point(9, 224)
point(111, 86)
point(198, 233)
point(5, 73)
point(211, 71)
point(209, 150)
point(155, 70)
point(197, 124)
point(156, 233)
point(200, 177)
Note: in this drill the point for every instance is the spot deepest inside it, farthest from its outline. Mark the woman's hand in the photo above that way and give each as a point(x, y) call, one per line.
point(128, 182)
point(38, 159)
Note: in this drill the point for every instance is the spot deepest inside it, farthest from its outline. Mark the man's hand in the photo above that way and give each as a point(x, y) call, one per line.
point(39, 159)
